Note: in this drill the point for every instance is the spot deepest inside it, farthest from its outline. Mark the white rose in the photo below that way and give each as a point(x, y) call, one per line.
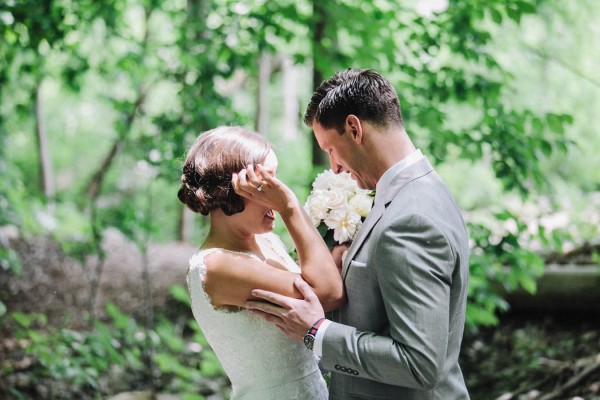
point(316, 206)
point(344, 182)
point(336, 199)
point(361, 203)
point(323, 180)
point(345, 224)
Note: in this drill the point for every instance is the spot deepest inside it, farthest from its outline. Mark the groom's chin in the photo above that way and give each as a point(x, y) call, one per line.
point(361, 184)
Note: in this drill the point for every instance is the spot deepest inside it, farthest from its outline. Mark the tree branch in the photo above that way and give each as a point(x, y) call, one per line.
point(563, 64)
point(572, 383)
point(92, 189)
point(586, 250)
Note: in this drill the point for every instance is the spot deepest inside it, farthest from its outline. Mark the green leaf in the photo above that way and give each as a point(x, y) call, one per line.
point(2, 308)
point(23, 319)
point(526, 7)
point(192, 396)
point(120, 320)
point(555, 123)
point(546, 147)
point(210, 365)
point(514, 15)
point(496, 16)
point(180, 293)
point(528, 284)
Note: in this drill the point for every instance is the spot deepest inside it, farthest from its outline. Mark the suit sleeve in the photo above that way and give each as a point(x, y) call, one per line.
point(412, 260)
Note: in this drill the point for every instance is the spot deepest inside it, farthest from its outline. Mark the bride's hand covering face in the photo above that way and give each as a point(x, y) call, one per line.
point(259, 183)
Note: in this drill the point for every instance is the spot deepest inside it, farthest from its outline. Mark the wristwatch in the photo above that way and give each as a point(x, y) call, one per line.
point(309, 338)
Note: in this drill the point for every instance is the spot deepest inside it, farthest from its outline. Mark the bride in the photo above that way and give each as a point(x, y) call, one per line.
point(241, 253)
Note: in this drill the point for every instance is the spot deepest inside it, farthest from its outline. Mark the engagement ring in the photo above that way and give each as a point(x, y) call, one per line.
point(259, 187)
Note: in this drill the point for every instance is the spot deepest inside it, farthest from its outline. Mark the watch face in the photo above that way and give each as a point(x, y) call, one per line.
point(309, 340)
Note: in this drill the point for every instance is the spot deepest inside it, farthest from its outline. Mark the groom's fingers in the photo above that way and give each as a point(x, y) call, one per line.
point(266, 316)
point(271, 297)
point(264, 308)
point(304, 288)
point(278, 322)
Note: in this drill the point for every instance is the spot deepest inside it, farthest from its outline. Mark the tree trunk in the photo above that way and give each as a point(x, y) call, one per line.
point(46, 171)
point(195, 31)
point(185, 224)
point(562, 288)
point(92, 189)
point(291, 107)
point(319, 158)
point(196, 10)
point(262, 100)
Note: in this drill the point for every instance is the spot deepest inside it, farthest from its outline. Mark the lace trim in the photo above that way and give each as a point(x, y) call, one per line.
point(278, 247)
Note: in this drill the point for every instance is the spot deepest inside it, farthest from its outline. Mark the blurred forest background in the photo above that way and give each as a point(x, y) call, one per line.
point(100, 99)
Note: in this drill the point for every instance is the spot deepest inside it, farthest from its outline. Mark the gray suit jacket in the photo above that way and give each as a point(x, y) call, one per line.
point(399, 335)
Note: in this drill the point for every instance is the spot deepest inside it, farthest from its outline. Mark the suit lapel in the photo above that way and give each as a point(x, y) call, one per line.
point(374, 216)
point(408, 174)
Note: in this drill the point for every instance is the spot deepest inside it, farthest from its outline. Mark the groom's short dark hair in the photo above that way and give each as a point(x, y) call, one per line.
point(361, 92)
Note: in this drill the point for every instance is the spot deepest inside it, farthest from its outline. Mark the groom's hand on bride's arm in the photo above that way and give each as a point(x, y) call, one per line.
point(293, 316)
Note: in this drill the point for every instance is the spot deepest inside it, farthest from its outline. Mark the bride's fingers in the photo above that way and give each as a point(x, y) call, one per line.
point(252, 177)
point(235, 182)
point(244, 188)
point(243, 178)
point(266, 175)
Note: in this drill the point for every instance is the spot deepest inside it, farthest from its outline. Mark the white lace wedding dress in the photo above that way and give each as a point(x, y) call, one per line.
point(261, 362)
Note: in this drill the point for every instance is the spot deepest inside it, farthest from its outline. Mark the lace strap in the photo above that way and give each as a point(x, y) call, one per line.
point(197, 261)
point(278, 247)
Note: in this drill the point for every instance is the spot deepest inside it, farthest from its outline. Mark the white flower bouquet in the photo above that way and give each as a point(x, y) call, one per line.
point(338, 206)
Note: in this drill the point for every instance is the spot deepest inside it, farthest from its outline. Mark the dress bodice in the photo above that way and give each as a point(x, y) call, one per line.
point(260, 360)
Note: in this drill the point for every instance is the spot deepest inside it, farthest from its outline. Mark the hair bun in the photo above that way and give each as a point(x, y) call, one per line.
point(194, 200)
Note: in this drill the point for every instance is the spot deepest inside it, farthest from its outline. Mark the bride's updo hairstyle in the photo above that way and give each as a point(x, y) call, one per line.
point(210, 163)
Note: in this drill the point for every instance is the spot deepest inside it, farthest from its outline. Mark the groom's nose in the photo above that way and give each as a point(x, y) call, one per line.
point(335, 167)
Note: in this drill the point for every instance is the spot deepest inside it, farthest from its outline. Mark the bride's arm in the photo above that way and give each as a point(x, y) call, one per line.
point(230, 278)
point(317, 264)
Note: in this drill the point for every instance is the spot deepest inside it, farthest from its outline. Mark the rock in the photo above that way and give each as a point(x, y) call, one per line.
point(146, 395)
point(59, 286)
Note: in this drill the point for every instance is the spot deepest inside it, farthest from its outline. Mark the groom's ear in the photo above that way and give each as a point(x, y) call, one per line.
point(354, 127)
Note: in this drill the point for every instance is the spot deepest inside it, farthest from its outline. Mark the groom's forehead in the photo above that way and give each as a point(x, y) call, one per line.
point(323, 136)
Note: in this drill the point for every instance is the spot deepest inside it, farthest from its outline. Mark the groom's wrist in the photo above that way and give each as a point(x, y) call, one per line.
point(320, 338)
point(309, 337)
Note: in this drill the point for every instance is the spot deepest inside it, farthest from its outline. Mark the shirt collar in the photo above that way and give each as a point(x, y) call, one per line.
point(386, 178)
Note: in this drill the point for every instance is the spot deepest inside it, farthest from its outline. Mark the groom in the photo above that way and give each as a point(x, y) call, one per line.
point(405, 274)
